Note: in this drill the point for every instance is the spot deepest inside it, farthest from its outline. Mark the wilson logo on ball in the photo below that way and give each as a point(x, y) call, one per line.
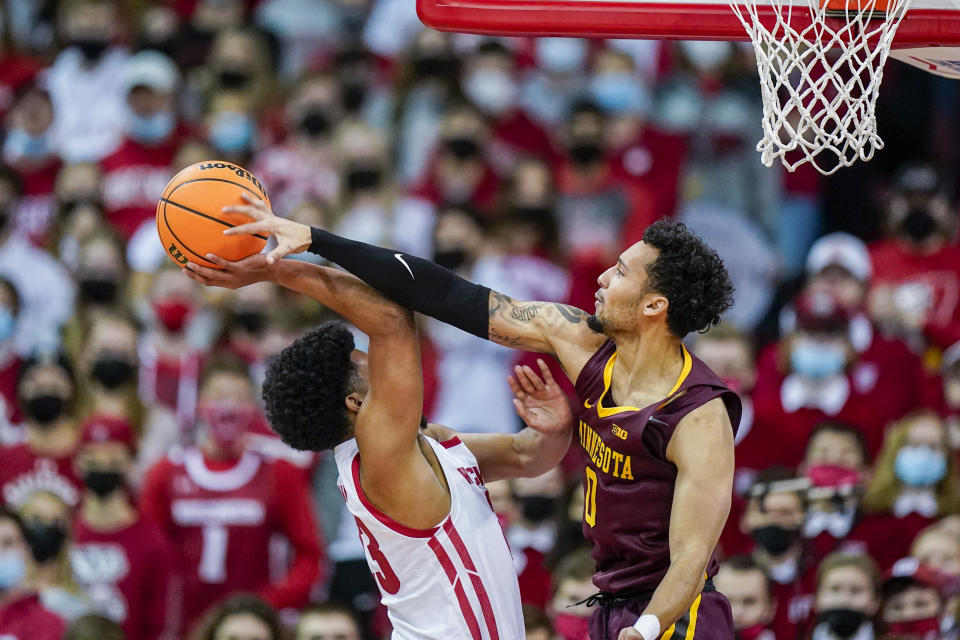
point(176, 255)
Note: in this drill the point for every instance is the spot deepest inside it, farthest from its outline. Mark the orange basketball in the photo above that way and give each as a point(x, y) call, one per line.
point(189, 217)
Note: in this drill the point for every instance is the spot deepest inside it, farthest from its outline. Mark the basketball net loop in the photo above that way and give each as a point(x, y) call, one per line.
point(820, 79)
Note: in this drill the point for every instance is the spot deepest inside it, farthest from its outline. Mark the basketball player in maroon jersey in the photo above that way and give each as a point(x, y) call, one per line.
point(656, 426)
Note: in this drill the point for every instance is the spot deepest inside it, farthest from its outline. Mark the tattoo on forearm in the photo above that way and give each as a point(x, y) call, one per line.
point(498, 301)
point(571, 314)
point(525, 314)
point(508, 341)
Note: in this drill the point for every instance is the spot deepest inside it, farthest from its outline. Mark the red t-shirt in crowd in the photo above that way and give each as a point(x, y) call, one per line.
point(132, 576)
point(516, 135)
point(937, 279)
point(134, 176)
point(794, 601)
point(885, 537)
point(654, 162)
point(222, 517)
point(36, 210)
point(22, 472)
point(9, 372)
point(25, 618)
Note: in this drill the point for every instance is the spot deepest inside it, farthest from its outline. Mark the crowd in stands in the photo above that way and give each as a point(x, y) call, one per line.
point(143, 493)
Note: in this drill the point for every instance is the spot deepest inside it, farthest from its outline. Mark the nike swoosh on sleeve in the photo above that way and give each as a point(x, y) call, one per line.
point(404, 263)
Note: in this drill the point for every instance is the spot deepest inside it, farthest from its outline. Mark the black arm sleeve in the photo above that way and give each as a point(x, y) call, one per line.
point(409, 281)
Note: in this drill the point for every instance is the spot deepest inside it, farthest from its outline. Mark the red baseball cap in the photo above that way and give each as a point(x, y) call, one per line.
point(912, 570)
point(98, 429)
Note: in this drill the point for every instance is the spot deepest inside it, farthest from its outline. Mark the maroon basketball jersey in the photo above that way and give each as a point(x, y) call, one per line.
point(628, 481)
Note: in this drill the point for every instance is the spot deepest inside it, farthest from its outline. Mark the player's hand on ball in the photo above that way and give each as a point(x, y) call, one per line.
point(230, 275)
point(292, 237)
point(540, 403)
point(629, 634)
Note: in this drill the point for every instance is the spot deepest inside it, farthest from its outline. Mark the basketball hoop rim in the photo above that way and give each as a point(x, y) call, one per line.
point(648, 20)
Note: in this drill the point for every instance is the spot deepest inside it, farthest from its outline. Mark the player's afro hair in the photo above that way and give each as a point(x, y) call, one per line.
point(690, 274)
point(306, 385)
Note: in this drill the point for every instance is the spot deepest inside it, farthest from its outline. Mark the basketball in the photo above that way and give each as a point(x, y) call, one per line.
point(189, 217)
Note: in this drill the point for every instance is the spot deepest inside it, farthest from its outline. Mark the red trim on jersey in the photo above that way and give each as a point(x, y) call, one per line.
point(402, 529)
point(488, 617)
point(452, 442)
point(465, 608)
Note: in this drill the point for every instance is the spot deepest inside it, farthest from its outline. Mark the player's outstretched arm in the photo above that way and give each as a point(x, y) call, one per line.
point(427, 288)
point(536, 449)
point(702, 450)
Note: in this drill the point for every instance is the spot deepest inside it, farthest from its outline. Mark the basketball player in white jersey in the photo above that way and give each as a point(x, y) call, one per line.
point(432, 539)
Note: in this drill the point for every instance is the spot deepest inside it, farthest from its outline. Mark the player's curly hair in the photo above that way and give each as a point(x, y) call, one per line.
point(305, 387)
point(690, 274)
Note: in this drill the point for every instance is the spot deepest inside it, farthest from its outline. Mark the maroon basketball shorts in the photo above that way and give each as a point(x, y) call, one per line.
point(709, 618)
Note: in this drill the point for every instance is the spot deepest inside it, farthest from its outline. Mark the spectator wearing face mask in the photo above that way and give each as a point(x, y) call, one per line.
point(489, 80)
point(101, 275)
point(48, 532)
point(533, 534)
point(46, 290)
point(22, 614)
point(913, 602)
point(327, 622)
point(79, 211)
point(847, 598)
point(10, 360)
point(749, 591)
point(573, 585)
point(364, 96)
point(304, 165)
point(819, 375)
point(221, 504)
point(913, 485)
point(123, 561)
point(774, 519)
point(835, 464)
point(28, 150)
point(46, 391)
point(917, 266)
point(939, 547)
point(549, 90)
point(240, 65)
point(135, 174)
point(232, 128)
point(86, 82)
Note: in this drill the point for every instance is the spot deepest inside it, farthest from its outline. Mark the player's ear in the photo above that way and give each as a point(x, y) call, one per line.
point(353, 402)
point(655, 304)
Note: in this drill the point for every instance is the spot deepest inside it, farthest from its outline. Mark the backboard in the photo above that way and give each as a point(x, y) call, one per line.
point(928, 22)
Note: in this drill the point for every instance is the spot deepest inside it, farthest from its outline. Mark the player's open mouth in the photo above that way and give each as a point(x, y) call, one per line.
point(598, 298)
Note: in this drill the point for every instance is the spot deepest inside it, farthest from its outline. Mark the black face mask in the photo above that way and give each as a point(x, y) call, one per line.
point(463, 148)
point(113, 371)
point(233, 79)
point(353, 95)
point(45, 540)
point(586, 152)
point(843, 623)
point(363, 178)
point(98, 290)
point(451, 259)
point(91, 48)
point(431, 66)
point(315, 123)
point(918, 225)
point(103, 483)
point(532, 215)
point(45, 408)
point(537, 508)
point(774, 539)
point(4, 216)
point(249, 320)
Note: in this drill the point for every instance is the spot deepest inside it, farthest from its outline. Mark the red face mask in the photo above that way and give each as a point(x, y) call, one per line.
point(227, 423)
point(571, 627)
point(173, 313)
point(831, 475)
point(920, 629)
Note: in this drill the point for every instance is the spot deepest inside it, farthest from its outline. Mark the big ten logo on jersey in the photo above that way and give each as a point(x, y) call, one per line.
point(619, 431)
point(604, 457)
point(99, 567)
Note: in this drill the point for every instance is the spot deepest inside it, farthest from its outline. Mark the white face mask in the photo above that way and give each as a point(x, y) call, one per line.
point(705, 56)
point(491, 90)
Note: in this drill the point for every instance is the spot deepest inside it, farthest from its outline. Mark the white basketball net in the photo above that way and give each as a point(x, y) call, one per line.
point(820, 79)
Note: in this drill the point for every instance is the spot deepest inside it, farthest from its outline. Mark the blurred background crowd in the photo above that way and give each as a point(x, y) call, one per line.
point(146, 497)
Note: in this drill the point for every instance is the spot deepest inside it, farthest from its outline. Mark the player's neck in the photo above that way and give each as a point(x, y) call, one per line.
point(650, 359)
point(108, 514)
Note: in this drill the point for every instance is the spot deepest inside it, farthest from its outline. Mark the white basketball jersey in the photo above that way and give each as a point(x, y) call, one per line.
point(455, 581)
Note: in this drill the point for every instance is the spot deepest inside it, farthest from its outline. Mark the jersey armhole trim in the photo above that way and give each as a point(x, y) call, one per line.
point(384, 519)
point(452, 442)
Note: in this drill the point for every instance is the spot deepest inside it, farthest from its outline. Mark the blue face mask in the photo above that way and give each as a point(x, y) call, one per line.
point(561, 55)
point(919, 466)
point(232, 132)
point(814, 359)
point(7, 323)
point(12, 568)
point(153, 128)
point(619, 93)
point(20, 144)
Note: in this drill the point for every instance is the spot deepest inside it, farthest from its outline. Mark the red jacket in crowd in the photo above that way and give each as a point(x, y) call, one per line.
point(22, 472)
point(132, 575)
point(222, 518)
point(25, 618)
